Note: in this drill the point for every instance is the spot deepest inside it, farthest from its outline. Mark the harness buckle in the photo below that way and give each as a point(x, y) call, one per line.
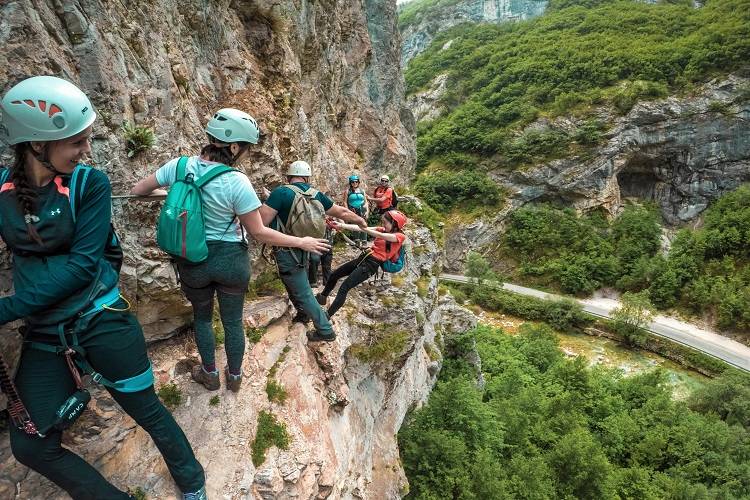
point(96, 377)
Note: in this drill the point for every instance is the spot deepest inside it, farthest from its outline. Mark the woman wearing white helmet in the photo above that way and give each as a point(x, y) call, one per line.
point(229, 205)
point(55, 215)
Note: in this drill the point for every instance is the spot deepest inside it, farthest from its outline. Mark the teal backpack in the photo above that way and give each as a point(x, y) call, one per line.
point(181, 231)
point(394, 266)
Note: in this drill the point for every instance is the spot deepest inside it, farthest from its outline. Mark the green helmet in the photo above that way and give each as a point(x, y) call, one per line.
point(233, 125)
point(44, 108)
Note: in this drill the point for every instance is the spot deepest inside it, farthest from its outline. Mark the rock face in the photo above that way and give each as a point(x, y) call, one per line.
point(418, 35)
point(322, 78)
point(346, 400)
point(680, 153)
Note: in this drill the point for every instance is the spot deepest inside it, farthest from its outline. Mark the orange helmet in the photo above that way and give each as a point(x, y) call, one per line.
point(398, 218)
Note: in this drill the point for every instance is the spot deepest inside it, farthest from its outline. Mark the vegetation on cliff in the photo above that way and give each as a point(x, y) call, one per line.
point(577, 56)
point(544, 426)
point(705, 272)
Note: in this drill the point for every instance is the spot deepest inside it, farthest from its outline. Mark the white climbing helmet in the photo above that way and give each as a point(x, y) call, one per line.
point(233, 125)
point(299, 168)
point(44, 108)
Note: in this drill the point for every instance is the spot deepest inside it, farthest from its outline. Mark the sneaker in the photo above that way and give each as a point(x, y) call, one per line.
point(198, 495)
point(322, 299)
point(208, 380)
point(233, 381)
point(317, 337)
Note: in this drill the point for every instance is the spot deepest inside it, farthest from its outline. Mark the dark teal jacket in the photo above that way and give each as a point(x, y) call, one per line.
point(55, 281)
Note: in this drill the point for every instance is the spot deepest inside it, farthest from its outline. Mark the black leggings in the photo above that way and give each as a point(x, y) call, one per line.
point(357, 270)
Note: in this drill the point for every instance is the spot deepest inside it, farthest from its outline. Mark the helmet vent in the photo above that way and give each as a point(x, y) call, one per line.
point(42, 105)
point(54, 108)
point(220, 118)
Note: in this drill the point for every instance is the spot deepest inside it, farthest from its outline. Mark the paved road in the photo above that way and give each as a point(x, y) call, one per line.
point(710, 343)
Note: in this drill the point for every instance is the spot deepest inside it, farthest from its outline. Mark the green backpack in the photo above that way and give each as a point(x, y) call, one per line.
point(181, 231)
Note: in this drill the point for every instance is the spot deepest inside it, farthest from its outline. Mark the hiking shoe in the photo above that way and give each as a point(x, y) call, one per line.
point(197, 495)
point(322, 299)
point(233, 381)
point(208, 380)
point(317, 337)
point(301, 317)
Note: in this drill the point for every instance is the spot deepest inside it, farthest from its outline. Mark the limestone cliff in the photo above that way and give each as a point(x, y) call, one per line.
point(418, 33)
point(680, 153)
point(322, 78)
point(346, 400)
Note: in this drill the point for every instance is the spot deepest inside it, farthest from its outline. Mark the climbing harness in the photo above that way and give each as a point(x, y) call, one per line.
point(75, 358)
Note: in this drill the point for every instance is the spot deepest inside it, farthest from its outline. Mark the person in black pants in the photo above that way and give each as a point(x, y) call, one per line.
point(387, 245)
point(325, 260)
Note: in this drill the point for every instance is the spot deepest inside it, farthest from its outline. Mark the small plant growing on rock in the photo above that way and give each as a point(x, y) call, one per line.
point(171, 395)
point(137, 138)
point(214, 401)
point(718, 107)
point(270, 432)
point(139, 494)
point(254, 334)
point(276, 392)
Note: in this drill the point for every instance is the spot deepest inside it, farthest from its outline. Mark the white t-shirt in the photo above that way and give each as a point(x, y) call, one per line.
point(225, 197)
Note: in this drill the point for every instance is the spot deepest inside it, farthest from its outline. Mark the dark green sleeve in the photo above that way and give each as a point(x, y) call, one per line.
point(87, 248)
point(325, 200)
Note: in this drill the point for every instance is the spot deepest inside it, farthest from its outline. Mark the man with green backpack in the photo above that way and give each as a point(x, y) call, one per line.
point(298, 209)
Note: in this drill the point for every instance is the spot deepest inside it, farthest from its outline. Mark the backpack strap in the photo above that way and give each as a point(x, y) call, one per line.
point(311, 191)
point(76, 187)
point(4, 173)
point(213, 174)
point(181, 167)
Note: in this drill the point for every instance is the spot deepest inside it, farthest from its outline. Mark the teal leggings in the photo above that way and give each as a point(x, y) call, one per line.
point(115, 347)
point(225, 274)
point(292, 264)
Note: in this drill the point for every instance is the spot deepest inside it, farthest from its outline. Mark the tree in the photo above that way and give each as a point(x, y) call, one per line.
point(478, 268)
point(633, 316)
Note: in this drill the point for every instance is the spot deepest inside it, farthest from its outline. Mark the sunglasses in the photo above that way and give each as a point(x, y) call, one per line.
point(383, 180)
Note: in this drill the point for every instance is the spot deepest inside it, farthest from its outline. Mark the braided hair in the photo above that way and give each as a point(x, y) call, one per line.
point(220, 152)
point(25, 194)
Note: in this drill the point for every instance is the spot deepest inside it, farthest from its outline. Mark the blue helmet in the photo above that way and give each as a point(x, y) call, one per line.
point(353, 178)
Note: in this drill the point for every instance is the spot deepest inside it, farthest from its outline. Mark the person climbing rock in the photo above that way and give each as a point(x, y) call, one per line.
point(230, 206)
point(296, 208)
point(384, 196)
point(387, 244)
point(56, 221)
point(355, 199)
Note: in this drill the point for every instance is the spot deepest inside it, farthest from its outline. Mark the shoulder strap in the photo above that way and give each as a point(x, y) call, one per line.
point(4, 175)
point(181, 166)
point(311, 191)
point(76, 188)
point(213, 174)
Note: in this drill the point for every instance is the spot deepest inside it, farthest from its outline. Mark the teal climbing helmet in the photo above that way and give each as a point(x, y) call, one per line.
point(353, 178)
point(44, 108)
point(233, 125)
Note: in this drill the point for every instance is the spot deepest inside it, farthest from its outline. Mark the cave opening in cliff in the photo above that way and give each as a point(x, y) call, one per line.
point(638, 178)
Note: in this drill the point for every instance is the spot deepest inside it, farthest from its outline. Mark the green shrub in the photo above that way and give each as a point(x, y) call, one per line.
point(137, 138)
point(267, 283)
point(138, 494)
point(276, 392)
point(629, 93)
point(719, 107)
point(446, 190)
point(171, 395)
point(386, 347)
point(214, 401)
point(427, 216)
point(270, 432)
point(254, 334)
